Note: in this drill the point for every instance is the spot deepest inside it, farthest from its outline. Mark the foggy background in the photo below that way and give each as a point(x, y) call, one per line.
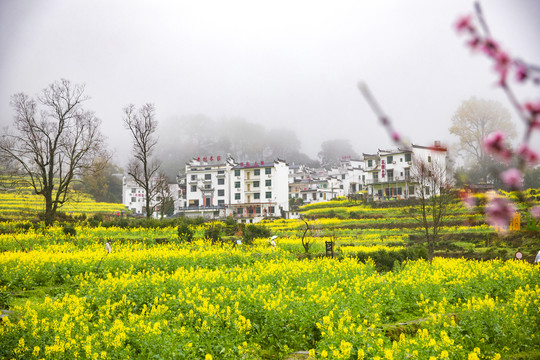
point(257, 67)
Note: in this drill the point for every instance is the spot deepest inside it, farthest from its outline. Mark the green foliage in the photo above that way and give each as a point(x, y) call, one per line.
point(214, 232)
point(69, 229)
point(185, 233)
point(231, 226)
point(387, 260)
point(253, 231)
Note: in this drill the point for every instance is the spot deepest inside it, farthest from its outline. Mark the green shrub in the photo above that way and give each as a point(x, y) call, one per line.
point(185, 233)
point(213, 232)
point(386, 260)
point(69, 229)
point(253, 231)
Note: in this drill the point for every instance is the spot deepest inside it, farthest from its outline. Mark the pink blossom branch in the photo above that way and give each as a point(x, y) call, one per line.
point(385, 121)
point(529, 112)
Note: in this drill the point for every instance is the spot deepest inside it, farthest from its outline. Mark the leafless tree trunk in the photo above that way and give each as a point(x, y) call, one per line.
point(142, 168)
point(433, 190)
point(163, 196)
point(52, 145)
point(315, 233)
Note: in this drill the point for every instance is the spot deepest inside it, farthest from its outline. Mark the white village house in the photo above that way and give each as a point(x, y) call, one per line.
point(218, 186)
point(388, 173)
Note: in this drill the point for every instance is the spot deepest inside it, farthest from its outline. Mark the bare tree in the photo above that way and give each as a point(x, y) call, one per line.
point(164, 200)
point(315, 233)
point(51, 145)
point(434, 192)
point(142, 167)
point(473, 121)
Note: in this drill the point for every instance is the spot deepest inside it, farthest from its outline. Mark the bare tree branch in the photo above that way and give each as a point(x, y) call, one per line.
point(52, 146)
point(142, 168)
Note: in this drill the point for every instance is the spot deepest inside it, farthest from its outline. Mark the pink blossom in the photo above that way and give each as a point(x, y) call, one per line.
point(474, 43)
point(535, 212)
point(490, 47)
point(521, 72)
point(529, 155)
point(513, 178)
point(464, 23)
point(502, 66)
point(533, 108)
point(535, 124)
point(494, 144)
point(395, 136)
point(499, 212)
point(469, 200)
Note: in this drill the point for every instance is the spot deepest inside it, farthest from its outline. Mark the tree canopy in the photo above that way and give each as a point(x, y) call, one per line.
point(53, 140)
point(472, 122)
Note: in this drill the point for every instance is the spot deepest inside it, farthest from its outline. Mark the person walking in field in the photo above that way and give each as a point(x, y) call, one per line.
point(108, 246)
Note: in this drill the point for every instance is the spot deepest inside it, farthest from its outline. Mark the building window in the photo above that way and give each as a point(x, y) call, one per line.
point(375, 176)
point(411, 190)
point(268, 183)
point(193, 177)
point(370, 163)
point(237, 196)
point(429, 159)
point(408, 157)
point(207, 186)
point(207, 176)
point(237, 184)
point(221, 172)
point(390, 159)
point(236, 172)
point(363, 178)
point(239, 211)
point(221, 192)
point(256, 184)
point(133, 190)
point(343, 177)
point(427, 190)
point(271, 210)
point(257, 196)
point(268, 171)
point(268, 195)
point(221, 181)
point(400, 159)
point(257, 172)
point(193, 188)
point(221, 202)
point(133, 199)
point(258, 209)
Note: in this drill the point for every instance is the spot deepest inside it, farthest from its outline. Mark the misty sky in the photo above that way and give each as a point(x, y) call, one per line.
point(279, 63)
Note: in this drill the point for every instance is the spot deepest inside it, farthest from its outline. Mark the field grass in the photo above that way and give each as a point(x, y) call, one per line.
point(155, 296)
point(21, 203)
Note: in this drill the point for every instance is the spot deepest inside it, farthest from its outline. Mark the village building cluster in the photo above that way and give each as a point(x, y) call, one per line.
point(218, 186)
